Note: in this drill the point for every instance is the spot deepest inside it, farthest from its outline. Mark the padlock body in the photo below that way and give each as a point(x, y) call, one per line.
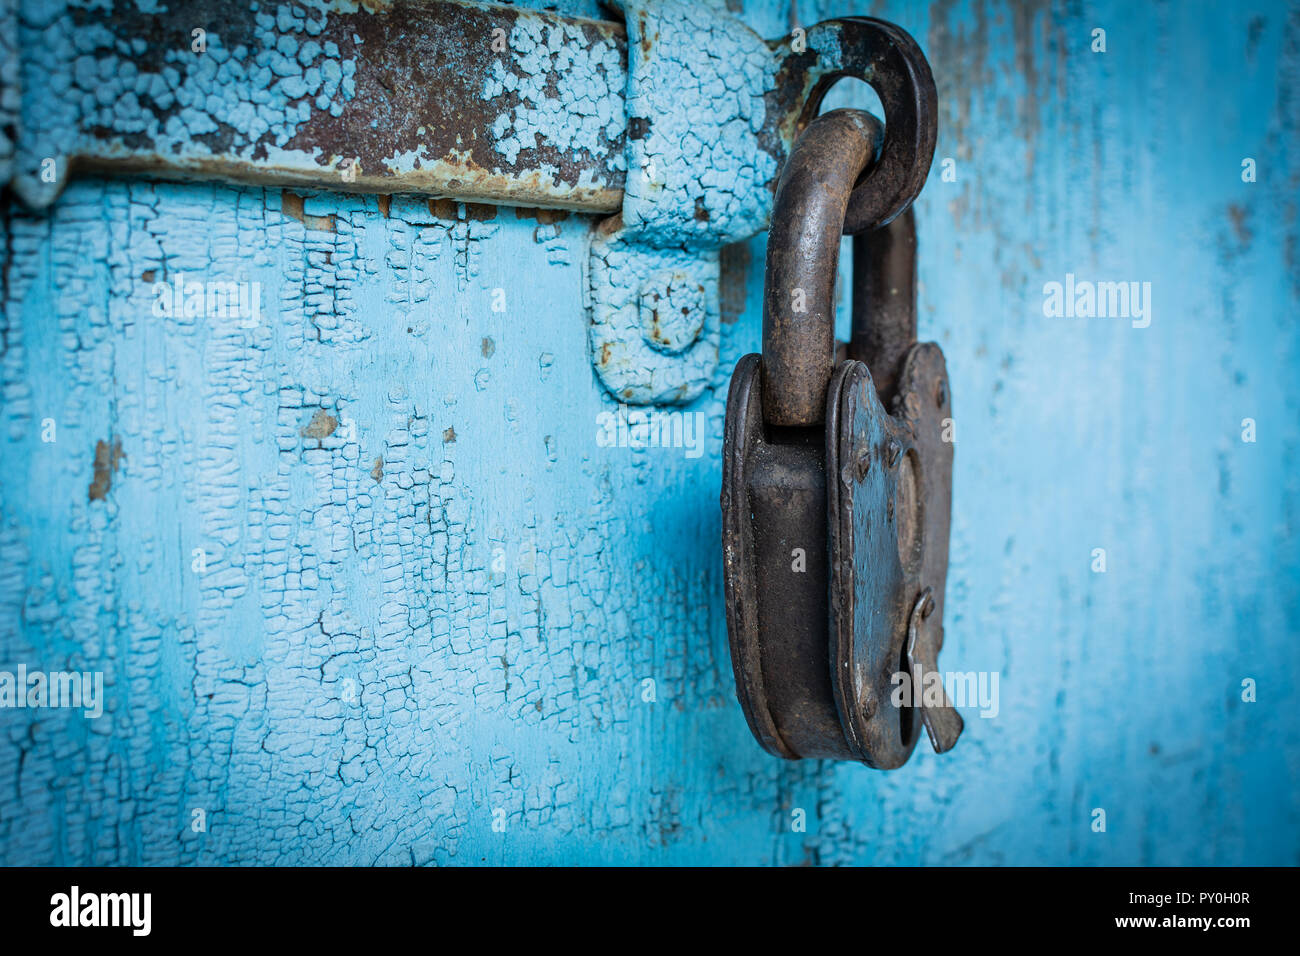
point(830, 536)
point(775, 563)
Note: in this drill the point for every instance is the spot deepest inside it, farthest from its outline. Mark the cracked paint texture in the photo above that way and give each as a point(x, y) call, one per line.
point(697, 180)
point(309, 91)
point(696, 105)
point(584, 111)
point(368, 667)
point(626, 349)
point(250, 89)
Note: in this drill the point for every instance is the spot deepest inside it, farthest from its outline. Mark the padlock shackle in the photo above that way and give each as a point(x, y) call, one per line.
point(884, 301)
point(803, 251)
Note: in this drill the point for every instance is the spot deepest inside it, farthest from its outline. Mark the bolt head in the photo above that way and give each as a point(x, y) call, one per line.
point(672, 306)
point(862, 464)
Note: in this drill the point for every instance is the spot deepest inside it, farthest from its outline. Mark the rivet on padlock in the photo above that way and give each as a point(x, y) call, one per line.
point(835, 511)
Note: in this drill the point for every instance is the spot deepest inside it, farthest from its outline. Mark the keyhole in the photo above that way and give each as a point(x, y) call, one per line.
point(908, 514)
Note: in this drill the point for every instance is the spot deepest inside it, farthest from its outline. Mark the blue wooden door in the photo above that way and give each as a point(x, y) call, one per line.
point(365, 581)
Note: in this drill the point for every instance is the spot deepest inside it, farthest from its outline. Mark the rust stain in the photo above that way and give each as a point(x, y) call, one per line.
point(609, 225)
point(645, 36)
point(377, 472)
point(322, 425)
point(787, 106)
point(432, 102)
point(545, 217)
point(108, 457)
point(385, 202)
point(655, 332)
point(291, 205)
point(449, 435)
point(444, 209)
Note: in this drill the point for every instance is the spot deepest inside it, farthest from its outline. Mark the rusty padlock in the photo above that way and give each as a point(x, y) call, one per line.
point(837, 477)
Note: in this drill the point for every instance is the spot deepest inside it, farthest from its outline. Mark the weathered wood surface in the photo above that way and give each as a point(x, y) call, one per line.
point(430, 594)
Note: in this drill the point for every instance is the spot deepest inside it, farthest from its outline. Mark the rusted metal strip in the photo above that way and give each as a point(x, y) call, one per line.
point(443, 98)
point(472, 101)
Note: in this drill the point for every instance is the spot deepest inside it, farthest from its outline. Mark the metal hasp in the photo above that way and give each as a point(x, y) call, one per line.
point(837, 478)
point(713, 111)
point(478, 102)
point(677, 122)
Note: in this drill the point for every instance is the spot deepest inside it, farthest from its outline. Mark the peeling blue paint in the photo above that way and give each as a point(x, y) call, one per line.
point(697, 180)
point(627, 355)
point(316, 93)
point(696, 83)
point(259, 93)
point(578, 113)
